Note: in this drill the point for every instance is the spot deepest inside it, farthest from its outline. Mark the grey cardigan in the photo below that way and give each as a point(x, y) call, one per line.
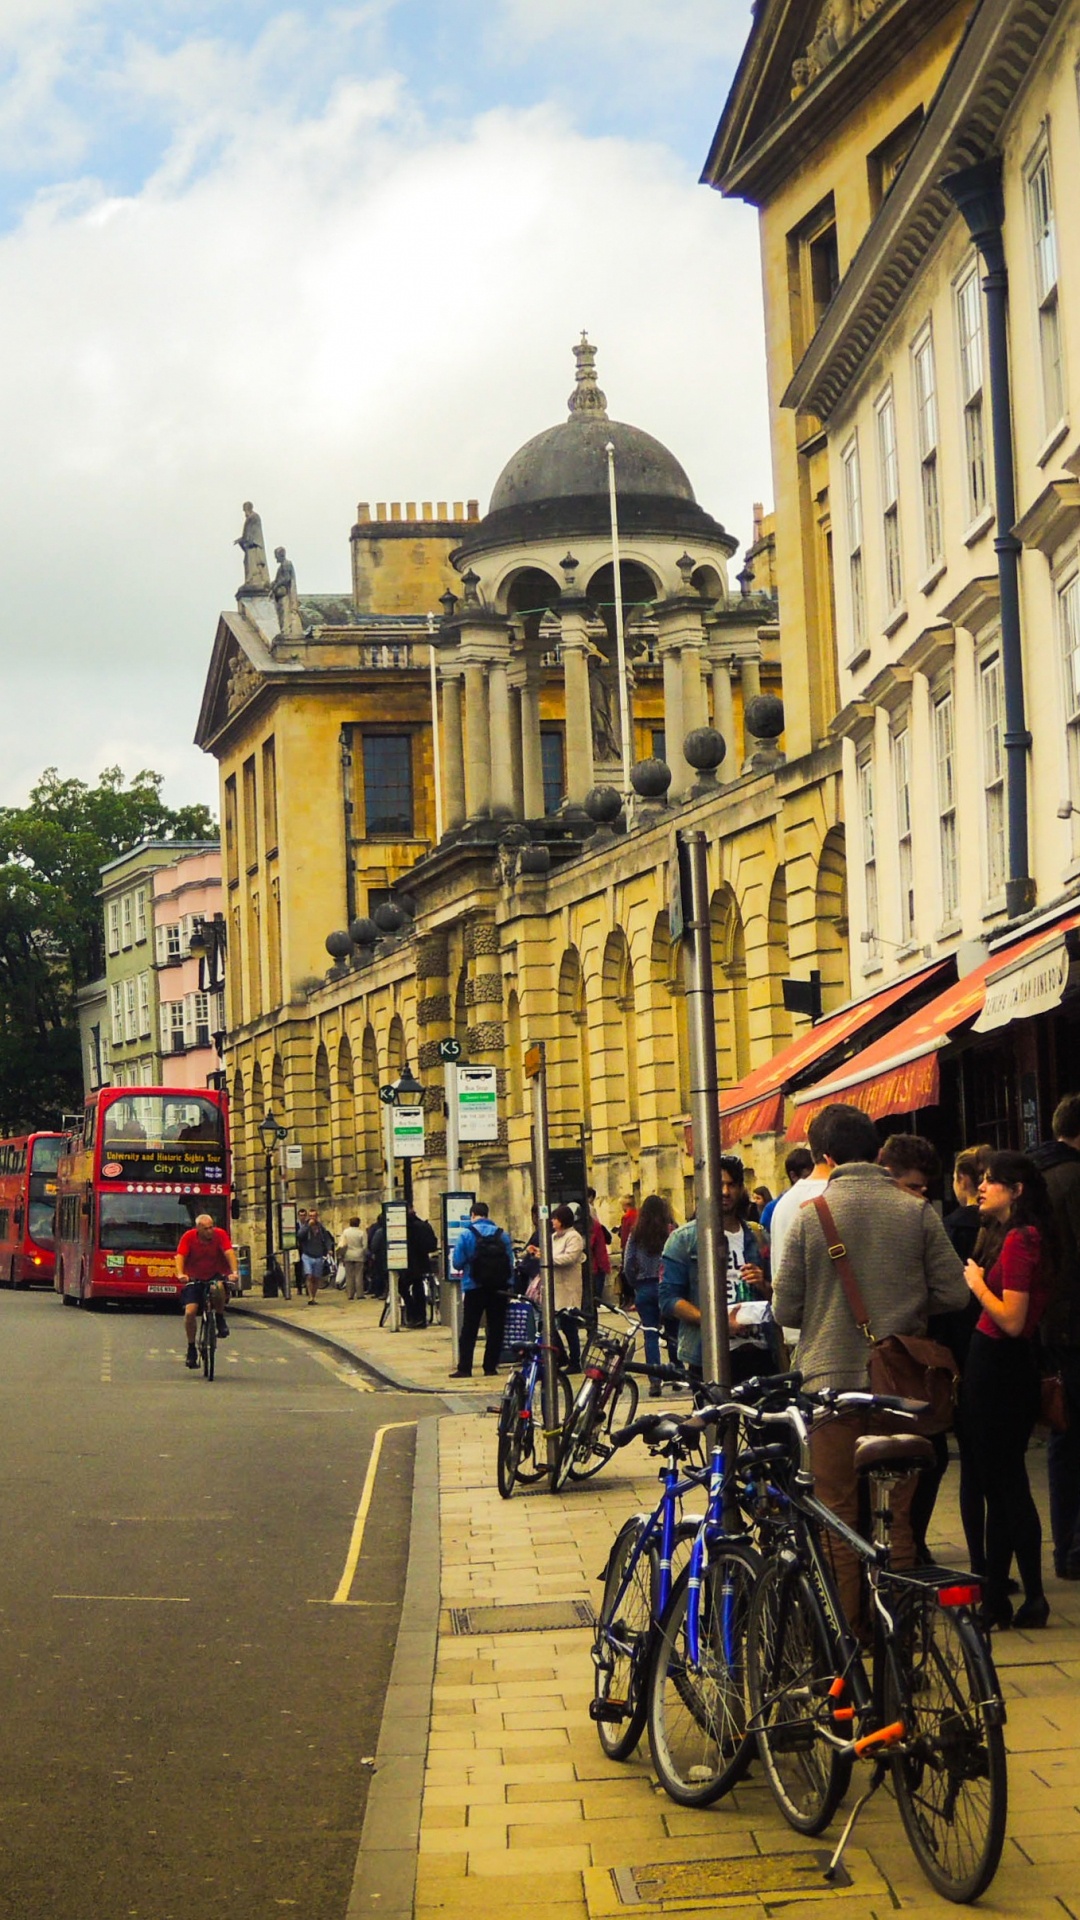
point(903, 1261)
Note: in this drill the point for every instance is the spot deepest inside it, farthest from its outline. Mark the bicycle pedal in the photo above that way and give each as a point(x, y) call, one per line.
point(613, 1711)
point(799, 1738)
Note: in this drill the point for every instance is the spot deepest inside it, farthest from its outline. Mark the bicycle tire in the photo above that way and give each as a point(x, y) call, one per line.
point(576, 1433)
point(534, 1437)
point(513, 1418)
point(208, 1344)
point(789, 1668)
point(950, 1779)
point(697, 1717)
point(622, 1645)
point(620, 1410)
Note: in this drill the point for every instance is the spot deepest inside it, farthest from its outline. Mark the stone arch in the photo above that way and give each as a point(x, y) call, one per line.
point(277, 1088)
point(709, 582)
point(831, 913)
point(620, 1036)
point(395, 1048)
point(461, 1007)
point(370, 1141)
point(515, 1077)
point(570, 1081)
point(640, 587)
point(345, 1117)
point(322, 1116)
point(778, 957)
point(526, 594)
point(729, 981)
point(663, 1061)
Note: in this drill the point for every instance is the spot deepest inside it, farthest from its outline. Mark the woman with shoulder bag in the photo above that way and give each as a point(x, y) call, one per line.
point(1000, 1393)
point(641, 1272)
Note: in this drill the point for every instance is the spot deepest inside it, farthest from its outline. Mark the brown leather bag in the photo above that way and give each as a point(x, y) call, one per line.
point(1053, 1406)
point(907, 1364)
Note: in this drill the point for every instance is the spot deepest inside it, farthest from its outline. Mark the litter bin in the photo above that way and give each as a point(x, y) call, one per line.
point(243, 1261)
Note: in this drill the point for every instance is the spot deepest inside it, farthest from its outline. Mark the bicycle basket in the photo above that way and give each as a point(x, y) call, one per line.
point(520, 1324)
point(602, 1352)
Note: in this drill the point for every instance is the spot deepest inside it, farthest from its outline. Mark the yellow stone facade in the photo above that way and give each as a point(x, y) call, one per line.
point(503, 947)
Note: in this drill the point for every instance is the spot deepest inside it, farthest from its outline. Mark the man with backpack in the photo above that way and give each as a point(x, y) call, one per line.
point(484, 1257)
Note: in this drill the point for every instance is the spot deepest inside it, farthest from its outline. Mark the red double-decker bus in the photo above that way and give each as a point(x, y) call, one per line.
point(28, 1170)
point(130, 1182)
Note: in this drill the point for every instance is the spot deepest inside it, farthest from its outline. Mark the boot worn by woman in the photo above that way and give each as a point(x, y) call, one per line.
point(1034, 1612)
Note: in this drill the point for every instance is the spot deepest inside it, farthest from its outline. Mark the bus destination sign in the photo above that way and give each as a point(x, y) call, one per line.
point(198, 1164)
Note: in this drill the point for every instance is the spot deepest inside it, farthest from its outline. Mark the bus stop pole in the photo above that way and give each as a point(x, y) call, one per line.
point(705, 1106)
point(453, 1181)
point(536, 1068)
point(392, 1287)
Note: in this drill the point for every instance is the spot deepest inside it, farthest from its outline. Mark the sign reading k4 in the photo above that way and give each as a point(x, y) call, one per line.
point(478, 1112)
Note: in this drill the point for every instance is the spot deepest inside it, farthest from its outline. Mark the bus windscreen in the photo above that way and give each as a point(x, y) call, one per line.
point(153, 1222)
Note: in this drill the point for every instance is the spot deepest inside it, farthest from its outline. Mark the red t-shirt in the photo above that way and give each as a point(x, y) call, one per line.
point(204, 1259)
point(1019, 1268)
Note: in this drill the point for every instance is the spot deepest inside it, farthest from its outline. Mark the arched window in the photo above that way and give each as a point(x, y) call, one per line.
point(322, 1117)
point(831, 908)
point(370, 1137)
point(779, 958)
point(345, 1118)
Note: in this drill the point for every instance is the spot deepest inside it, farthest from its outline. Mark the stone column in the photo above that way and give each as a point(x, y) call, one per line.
point(574, 646)
point(517, 773)
point(453, 751)
point(477, 743)
point(724, 711)
point(674, 729)
point(532, 765)
point(750, 676)
point(502, 771)
point(695, 703)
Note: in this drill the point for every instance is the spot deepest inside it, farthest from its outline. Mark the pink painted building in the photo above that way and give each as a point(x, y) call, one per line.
point(191, 1002)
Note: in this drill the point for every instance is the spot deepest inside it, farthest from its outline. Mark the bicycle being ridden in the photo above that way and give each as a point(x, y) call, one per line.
point(205, 1261)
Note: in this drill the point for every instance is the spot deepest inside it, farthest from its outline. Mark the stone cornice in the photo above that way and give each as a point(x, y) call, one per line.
point(962, 127)
point(1052, 519)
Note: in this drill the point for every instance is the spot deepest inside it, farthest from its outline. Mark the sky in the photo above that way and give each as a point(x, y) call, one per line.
point(318, 254)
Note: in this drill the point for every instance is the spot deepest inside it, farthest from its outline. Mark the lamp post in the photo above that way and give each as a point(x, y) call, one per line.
point(208, 945)
point(407, 1093)
point(270, 1133)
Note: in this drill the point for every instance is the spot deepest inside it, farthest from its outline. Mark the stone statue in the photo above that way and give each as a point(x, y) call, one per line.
point(256, 571)
point(603, 707)
point(285, 596)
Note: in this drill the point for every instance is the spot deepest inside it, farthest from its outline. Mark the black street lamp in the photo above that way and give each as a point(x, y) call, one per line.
point(270, 1133)
point(208, 944)
point(407, 1092)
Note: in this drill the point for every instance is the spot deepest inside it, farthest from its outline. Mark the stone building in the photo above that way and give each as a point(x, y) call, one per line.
point(914, 162)
point(526, 905)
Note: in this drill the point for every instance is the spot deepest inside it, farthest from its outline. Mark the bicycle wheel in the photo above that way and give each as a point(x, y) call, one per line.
point(619, 1412)
point(789, 1668)
point(697, 1710)
point(514, 1418)
point(577, 1436)
point(532, 1465)
point(208, 1343)
point(950, 1778)
point(622, 1646)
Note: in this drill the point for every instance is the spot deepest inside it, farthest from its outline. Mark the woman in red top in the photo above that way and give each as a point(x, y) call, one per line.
point(1001, 1378)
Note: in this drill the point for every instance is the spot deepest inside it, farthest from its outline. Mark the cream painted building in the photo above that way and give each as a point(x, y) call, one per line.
point(891, 400)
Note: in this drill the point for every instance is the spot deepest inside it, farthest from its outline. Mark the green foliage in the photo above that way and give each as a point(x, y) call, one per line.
point(51, 933)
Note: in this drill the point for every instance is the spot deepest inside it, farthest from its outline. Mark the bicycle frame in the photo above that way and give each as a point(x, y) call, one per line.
point(664, 1520)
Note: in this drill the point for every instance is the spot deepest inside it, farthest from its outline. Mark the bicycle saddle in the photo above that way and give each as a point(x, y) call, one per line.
point(656, 1429)
point(892, 1453)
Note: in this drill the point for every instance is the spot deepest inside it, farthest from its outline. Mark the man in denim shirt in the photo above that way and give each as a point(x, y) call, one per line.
point(745, 1247)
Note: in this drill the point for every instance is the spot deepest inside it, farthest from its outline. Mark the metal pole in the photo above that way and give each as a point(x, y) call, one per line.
point(393, 1293)
point(620, 640)
point(453, 1183)
point(436, 744)
point(268, 1276)
point(537, 1067)
point(705, 1107)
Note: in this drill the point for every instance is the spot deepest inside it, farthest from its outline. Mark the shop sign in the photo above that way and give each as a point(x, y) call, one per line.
point(1029, 987)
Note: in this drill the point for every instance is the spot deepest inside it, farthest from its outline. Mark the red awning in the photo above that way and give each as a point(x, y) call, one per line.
point(756, 1104)
point(899, 1073)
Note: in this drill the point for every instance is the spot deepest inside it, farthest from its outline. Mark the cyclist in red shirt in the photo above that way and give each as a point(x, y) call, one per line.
point(205, 1254)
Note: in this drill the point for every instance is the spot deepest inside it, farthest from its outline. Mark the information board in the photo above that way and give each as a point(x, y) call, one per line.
point(407, 1132)
point(478, 1107)
point(395, 1222)
point(457, 1210)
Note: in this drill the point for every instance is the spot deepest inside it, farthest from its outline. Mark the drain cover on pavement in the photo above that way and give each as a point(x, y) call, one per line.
point(764, 1876)
point(535, 1616)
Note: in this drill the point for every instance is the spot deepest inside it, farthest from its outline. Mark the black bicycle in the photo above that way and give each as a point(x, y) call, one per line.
point(606, 1401)
point(927, 1709)
point(206, 1340)
point(522, 1452)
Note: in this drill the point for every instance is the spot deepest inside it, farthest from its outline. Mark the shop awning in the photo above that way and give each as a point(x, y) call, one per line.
point(756, 1105)
point(900, 1073)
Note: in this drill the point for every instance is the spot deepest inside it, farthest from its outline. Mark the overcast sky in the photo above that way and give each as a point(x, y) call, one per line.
point(319, 254)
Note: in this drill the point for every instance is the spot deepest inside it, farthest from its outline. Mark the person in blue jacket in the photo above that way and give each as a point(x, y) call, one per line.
point(484, 1257)
point(745, 1256)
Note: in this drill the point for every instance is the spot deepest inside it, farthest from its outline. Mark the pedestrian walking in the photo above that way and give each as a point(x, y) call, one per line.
point(750, 1322)
point(567, 1254)
point(641, 1271)
point(298, 1265)
point(906, 1270)
point(599, 1258)
point(351, 1249)
point(316, 1244)
point(1059, 1162)
point(1000, 1390)
point(421, 1246)
point(376, 1275)
point(484, 1257)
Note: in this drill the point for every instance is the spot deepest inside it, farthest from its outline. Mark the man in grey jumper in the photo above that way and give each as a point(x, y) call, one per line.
point(906, 1269)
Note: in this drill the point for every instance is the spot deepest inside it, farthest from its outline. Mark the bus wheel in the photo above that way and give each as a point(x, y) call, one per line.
point(11, 1276)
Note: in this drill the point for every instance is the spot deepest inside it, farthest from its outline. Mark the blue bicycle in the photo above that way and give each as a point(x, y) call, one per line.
point(522, 1452)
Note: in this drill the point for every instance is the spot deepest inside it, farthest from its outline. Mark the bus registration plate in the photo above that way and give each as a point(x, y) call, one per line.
point(155, 1287)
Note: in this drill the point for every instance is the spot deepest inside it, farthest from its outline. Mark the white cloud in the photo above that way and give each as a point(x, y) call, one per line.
point(309, 307)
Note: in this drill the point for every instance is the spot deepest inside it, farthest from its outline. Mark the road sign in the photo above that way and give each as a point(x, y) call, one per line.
point(294, 1157)
point(534, 1060)
point(396, 1222)
point(449, 1050)
point(478, 1106)
point(407, 1132)
point(387, 1095)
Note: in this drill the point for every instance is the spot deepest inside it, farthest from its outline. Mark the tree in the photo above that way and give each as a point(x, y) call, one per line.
point(51, 931)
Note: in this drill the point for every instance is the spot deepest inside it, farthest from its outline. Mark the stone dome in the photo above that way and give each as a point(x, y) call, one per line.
point(570, 460)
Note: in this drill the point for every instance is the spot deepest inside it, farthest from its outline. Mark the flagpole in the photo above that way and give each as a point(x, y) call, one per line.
point(620, 641)
point(436, 745)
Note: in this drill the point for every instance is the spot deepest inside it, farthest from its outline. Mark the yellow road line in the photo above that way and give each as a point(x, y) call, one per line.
point(341, 1597)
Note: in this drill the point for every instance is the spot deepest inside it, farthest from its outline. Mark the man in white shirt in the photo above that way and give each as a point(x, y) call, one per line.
point(787, 1207)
